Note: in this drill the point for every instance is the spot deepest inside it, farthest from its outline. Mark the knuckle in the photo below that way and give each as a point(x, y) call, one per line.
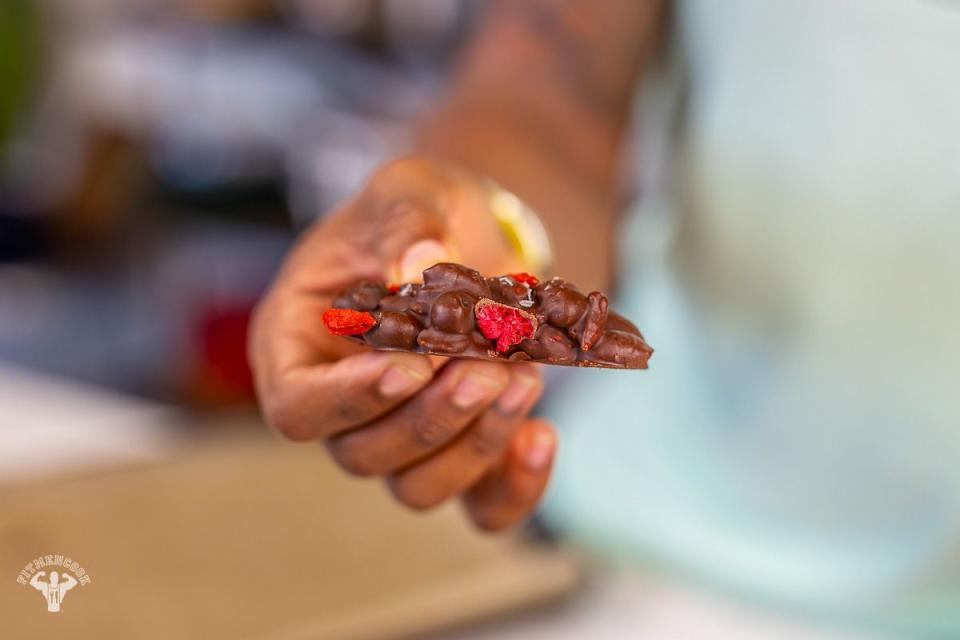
point(490, 438)
point(394, 175)
point(429, 432)
point(407, 216)
point(347, 407)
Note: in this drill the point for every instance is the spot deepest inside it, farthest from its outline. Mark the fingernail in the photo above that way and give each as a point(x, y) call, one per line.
point(539, 450)
point(421, 255)
point(517, 395)
point(473, 389)
point(400, 381)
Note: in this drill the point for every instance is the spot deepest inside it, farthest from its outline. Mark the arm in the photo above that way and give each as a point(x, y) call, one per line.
point(540, 104)
point(69, 582)
point(35, 581)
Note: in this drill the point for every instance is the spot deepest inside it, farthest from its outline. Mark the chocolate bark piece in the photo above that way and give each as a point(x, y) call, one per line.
point(509, 291)
point(447, 276)
point(394, 329)
point(436, 341)
point(363, 296)
point(459, 312)
point(398, 303)
point(560, 303)
point(621, 349)
point(616, 322)
point(453, 312)
point(551, 344)
point(590, 327)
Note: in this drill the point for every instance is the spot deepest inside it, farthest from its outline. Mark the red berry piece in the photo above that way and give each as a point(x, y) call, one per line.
point(507, 325)
point(393, 288)
point(348, 322)
point(525, 278)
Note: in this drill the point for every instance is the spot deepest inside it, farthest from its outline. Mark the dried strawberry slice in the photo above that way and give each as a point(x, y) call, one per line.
point(393, 288)
point(525, 278)
point(348, 322)
point(507, 325)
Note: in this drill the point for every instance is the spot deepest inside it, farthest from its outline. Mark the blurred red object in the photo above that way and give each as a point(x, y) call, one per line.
point(221, 376)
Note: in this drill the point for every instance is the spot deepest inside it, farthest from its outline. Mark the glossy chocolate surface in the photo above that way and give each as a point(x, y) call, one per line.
point(458, 312)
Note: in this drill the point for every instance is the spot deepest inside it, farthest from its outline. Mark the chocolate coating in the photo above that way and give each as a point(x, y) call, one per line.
point(396, 303)
point(453, 312)
point(363, 296)
point(394, 329)
point(507, 290)
point(623, 349)
point(560, 303)
point(616, 322)
point(447, 276)
point(551, 344)
point(439, 317)
point(590, 327)
point(436, 341)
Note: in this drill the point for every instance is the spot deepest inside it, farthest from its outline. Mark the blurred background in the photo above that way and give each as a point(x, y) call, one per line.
point(157, 159)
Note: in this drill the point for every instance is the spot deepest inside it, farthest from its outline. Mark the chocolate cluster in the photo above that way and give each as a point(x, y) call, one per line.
point(458, 312)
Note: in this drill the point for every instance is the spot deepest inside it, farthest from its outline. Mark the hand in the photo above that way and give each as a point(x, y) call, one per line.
point(433, 428)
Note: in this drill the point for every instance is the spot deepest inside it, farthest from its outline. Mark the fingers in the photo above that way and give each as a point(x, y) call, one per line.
point(312, 402)
point(509, 492)
point(460, 392)
point(405, 201)
point(460, 464)
point(402, 231)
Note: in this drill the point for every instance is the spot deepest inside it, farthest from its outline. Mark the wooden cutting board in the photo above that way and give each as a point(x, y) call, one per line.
point(256, 540)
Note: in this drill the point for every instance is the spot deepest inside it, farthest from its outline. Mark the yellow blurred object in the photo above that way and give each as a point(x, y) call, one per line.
point(522, 228)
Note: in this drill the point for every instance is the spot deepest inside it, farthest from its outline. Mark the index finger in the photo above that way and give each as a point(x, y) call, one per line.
point(316, 401)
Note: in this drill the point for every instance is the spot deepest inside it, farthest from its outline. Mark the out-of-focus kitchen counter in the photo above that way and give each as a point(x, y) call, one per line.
point(629, 603)
point(51, 427)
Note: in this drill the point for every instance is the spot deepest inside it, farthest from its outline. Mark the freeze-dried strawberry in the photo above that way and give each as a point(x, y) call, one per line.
point(525, 278)
point(507, 325)
point(348, 322)
point(393, 288)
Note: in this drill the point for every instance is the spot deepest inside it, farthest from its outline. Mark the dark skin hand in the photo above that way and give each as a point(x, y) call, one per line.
point(539, 103)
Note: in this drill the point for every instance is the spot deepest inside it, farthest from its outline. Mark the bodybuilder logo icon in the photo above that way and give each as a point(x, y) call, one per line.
point(54, 587)
point(54, 590)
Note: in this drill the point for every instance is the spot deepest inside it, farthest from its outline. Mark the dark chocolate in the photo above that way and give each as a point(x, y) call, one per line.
point(458, 312)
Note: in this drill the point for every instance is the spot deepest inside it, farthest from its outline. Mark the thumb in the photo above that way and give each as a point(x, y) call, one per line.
point(409, 235)
point(419, 256)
